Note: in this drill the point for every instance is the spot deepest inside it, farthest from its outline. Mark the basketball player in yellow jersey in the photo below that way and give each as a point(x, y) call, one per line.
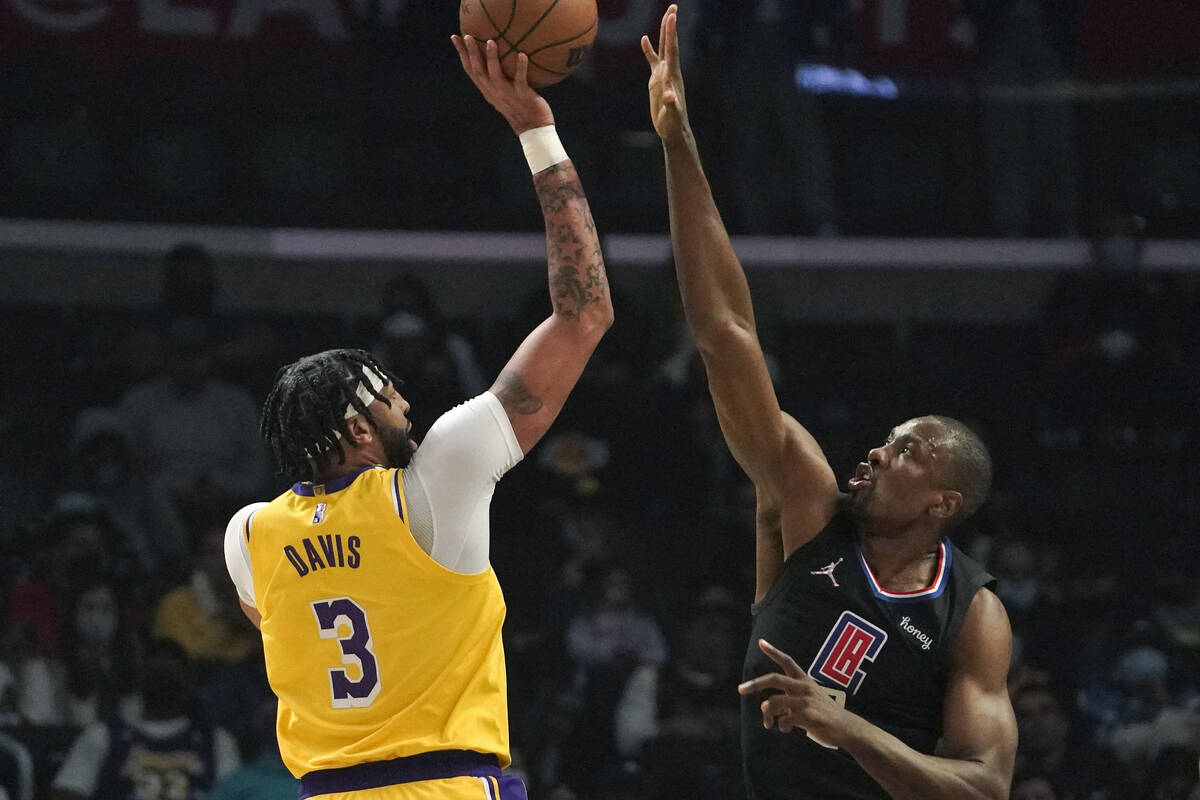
point(369, 578)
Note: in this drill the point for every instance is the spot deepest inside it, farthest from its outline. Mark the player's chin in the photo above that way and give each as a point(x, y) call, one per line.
point(399, 450)
point(856, 503)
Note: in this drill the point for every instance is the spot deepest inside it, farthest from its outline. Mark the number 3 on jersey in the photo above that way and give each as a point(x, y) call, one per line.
point(332, 615)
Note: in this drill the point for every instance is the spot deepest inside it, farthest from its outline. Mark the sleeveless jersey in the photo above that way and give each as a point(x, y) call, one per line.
point(374, 650)
point(883, 655)
point(145, 767)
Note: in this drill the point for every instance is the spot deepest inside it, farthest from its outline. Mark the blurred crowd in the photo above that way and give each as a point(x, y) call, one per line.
point(825, 117)
point(624, 543)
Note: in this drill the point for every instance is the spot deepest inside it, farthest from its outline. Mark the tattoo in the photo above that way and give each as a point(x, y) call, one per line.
point(514, 395)
point(576, 265)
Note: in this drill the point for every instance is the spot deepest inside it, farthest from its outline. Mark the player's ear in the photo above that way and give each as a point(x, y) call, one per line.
point(361, 431)
point(947, 503)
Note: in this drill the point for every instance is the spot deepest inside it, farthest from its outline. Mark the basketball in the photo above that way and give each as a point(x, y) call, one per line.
point(555, 34)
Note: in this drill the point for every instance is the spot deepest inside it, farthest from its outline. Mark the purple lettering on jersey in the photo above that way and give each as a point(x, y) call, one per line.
point(297, 562)
point(314, 558)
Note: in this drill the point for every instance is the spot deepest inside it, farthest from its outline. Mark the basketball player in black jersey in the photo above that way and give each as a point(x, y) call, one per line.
point(879, 652)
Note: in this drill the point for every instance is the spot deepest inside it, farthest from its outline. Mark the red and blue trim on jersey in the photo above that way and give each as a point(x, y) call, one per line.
point(932, 591)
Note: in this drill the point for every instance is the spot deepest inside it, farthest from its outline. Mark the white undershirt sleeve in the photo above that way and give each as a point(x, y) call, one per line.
point(450, 482)
point(237, 554)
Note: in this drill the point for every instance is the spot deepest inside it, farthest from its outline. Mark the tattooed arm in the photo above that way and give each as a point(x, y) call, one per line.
point(534, 385)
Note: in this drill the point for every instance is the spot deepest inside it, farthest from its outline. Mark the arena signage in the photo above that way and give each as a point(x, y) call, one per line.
point(329, 20)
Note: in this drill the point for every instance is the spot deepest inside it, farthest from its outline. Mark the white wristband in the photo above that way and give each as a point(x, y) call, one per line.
point(542, 148)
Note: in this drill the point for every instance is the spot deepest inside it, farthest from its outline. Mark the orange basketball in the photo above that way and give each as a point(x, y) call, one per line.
point(555, 34)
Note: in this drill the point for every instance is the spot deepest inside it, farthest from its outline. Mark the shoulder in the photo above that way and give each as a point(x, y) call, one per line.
point(806, 494)
point(985, 639)
point(477, 431)
point(239, 524)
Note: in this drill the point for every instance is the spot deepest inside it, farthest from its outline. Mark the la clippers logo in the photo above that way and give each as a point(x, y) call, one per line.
point(852, 641)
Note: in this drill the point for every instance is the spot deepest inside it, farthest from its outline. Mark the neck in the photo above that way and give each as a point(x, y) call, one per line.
point(905, 562)
point(356, 460)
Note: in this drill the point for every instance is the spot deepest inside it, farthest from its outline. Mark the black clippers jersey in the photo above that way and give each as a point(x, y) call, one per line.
point(884, 655)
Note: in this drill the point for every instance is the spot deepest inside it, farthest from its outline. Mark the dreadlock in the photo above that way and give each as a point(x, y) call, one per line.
point(304, 416)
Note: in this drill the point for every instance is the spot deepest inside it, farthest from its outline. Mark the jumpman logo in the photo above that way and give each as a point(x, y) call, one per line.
point(827, 571)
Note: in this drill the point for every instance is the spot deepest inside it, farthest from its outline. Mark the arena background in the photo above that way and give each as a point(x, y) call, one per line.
point(990, 210)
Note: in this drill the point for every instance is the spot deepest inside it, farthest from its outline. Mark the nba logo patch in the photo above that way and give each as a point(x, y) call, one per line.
point(850, 643)
point(319, 514)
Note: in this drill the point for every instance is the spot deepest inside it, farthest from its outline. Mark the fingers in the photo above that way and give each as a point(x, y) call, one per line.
point(648, 51)
point(790, 667)
point(474, 59)
point(772, 680)
point(662, 29)
point(460, 47)
point(521, 76)
point(669, 45)
point(493, 61)
point(776, 712)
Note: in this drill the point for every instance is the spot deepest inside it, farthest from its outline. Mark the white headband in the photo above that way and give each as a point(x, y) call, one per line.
point(363, 393)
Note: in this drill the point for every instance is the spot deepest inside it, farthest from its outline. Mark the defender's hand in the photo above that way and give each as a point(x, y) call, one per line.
point(667, 108)
point(801, 703)
point(514, 99)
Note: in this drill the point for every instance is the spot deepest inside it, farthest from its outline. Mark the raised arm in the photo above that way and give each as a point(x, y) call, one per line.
point(777, 453)
point(534, 384)
point(979, 732)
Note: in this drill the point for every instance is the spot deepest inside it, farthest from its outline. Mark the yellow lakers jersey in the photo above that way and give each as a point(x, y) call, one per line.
point(374, 649)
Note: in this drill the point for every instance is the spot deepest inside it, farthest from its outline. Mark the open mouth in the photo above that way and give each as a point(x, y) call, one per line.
point(863, 476)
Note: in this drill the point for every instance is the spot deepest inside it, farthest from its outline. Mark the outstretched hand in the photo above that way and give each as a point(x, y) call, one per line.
point(520, 105)
point(801, 702)
point(667, 108)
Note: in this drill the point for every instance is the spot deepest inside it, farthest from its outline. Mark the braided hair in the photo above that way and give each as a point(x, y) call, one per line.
point(304, 416)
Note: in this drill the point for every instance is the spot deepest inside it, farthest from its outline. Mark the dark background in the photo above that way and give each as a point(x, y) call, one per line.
point(1068, 129)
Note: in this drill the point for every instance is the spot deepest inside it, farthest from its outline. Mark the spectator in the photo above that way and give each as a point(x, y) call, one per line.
point(263, 776)
point(224, 648)
point(680, 719)
point(786, 189)
point(416, 342)
point(607, 640)
point(100, 651)
point(105, 467)
point(74, 544)
point(1027, 45)
point(169, 746)
point(611, 631)
point(1020, 577)
point(406, 293)
point(199, 615)
point(1152, 718)
point(1052, 746)
point(200, 433)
